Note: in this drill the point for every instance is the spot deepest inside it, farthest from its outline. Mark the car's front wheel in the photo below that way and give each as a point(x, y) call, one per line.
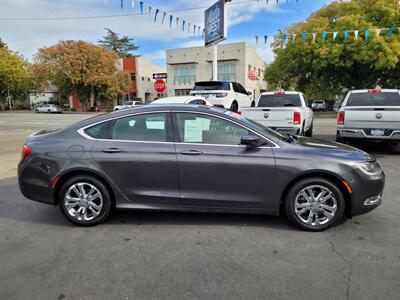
point(85, 200)
point(314, 204)
point(234, 107)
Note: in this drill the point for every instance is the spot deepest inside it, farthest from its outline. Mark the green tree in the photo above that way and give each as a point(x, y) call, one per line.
point(15, 75)
point(124, 46)
point(81, 68)
point(326, 68)
point(2, 44)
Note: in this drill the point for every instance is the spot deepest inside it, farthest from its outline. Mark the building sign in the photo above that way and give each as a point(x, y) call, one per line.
point(159, 76)
point(252, 75)
point(215, 23)
point(159, 86)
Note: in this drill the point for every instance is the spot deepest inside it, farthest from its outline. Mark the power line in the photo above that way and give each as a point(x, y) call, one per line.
point(115, 15)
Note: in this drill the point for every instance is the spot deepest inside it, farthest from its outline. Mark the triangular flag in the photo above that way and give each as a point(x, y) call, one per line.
point(198, 30)
point(257, 39)
point(304, 36)
point(294, 37)
point(390, 31)
point(177, 22)
point(284, 36)
point(324, 35)
point(183, 25)
point(155, 15)
point(378, 31)
point(150, 8)
point(204, 31)
point(345, 34)
point(366, 34)
point(314, 35)
point(194, 29)
point(141, 7)
point(163, 18)
point(189, 27)
point(133, 4)
point(171, 17)
point(356, 34)
point(122, 4)
point(334, 35)
point(265, 39)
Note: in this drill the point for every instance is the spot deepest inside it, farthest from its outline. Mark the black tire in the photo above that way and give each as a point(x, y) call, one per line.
point(103, 213)
point(309, 132)
point(36, 111)
point(234, 107)
point(116, 109)
point(340, 139)
point(318, 184)
point(49, 111)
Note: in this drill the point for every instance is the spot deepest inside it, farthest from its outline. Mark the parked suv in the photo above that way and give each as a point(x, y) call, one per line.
point(370, 114)
point(225, 94)
point(318, 105)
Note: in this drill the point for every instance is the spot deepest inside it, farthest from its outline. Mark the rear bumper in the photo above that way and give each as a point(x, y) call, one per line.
point(365, 133)
point(289, 130)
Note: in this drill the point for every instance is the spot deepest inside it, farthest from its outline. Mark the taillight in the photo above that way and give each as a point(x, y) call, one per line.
point(221, 95)
point(26, 151)
point(219, 105)
point(279, 93)
point(374, 91)
point(296, 118)
point(340, 117)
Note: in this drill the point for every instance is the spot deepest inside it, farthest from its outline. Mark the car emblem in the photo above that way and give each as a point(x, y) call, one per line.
point(379, 116)
point(266, 115)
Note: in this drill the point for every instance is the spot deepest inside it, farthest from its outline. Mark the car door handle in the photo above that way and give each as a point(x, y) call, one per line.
point(191, 152)
point(112, 150)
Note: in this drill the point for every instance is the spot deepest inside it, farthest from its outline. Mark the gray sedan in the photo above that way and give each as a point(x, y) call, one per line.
point(196, 158)
point(48, 108)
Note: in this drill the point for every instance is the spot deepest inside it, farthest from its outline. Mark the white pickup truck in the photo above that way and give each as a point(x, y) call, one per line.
point(370, 114)
point(285, 112)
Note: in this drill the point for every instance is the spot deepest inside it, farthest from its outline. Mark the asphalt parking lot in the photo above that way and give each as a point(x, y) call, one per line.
point(159, 255)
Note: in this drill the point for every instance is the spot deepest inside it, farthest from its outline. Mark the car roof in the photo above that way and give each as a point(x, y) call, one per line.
point(382, 90)
point(177, 99)
point(286, 92)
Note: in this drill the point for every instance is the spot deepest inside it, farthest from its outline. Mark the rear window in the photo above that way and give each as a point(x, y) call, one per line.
point(279, 100)
point(211, 85)
point(96, 131)
point(374, 99)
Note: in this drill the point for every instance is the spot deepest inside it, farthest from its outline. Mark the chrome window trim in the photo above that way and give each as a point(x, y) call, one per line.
point(81, 130)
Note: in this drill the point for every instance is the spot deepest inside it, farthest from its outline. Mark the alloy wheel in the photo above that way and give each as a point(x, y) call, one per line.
point(83, 201)
point(315, 205)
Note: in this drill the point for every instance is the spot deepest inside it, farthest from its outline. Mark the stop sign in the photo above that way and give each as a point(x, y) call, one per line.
point(159, 85)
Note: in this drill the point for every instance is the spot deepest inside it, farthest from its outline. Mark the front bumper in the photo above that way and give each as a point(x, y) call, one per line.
point(367, 192)
point(366, 133)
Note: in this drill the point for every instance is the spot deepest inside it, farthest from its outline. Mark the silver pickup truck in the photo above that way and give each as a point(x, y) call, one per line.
point(370, 114)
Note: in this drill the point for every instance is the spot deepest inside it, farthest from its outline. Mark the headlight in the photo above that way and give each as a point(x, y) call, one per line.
point(370, 168)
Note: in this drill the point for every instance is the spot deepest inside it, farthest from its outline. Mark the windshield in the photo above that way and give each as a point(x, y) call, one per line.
point(211, 85)
point(127, 103)
point(256, 125)
point(374, 99)
point(279, 100)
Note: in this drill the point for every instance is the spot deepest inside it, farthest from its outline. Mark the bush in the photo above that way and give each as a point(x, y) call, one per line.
point(72, 109)
point(2, 107)
point(20, 105)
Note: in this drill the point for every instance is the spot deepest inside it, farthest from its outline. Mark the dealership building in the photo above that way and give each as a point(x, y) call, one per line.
point(236, 62)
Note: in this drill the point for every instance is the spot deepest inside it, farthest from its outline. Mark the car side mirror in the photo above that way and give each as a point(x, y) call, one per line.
point(251, 141)
point(249, 93)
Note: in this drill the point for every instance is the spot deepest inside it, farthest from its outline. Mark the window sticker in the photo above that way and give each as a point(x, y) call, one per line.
point(193, 131)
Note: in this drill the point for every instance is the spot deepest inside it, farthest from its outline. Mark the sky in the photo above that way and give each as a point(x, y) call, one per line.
point(246, 19)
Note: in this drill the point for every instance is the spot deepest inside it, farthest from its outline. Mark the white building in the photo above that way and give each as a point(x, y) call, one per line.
point(185, 66)
point(144, 79)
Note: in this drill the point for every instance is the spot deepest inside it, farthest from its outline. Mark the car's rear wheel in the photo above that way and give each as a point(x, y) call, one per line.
point(234, 107)
point(314, 204)
point(310, 131)
point(85, 200)
point(48, 111)
point(36, 111)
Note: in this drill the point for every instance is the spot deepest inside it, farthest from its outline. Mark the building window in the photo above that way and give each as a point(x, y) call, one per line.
point(182, 92)
point(133, 76)
point(142, 78)
point(184, 74)
point(227, 72)
point(148, 79)
point(249, 68)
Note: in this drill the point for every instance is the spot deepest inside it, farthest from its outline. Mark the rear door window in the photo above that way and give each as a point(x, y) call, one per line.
point(285, 100)
point(374, 99)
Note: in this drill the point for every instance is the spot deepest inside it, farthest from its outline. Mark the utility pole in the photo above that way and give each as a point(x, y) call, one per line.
point(215, 63)
point(9, 100)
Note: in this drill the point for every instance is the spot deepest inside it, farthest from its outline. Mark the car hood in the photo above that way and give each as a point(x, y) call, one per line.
point(333, 149)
